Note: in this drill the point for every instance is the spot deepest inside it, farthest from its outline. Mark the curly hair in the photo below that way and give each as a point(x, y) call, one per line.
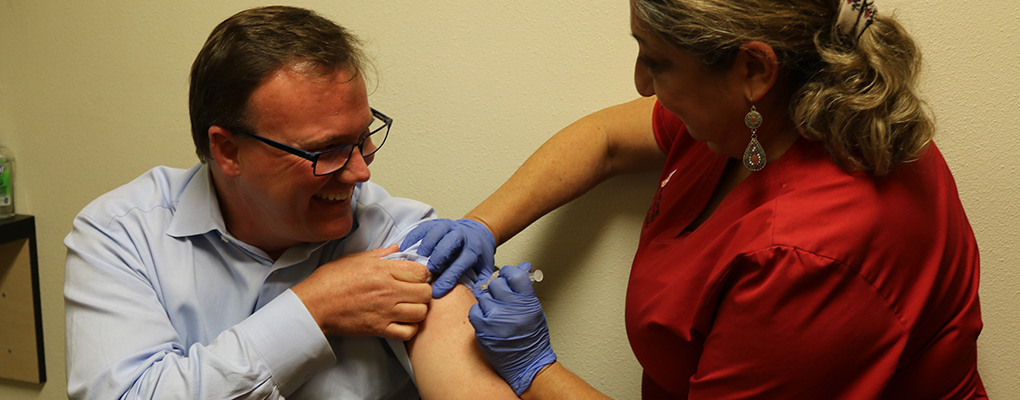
point(854, 94)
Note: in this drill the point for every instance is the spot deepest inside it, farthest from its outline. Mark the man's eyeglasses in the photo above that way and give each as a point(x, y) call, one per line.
point(331, 160)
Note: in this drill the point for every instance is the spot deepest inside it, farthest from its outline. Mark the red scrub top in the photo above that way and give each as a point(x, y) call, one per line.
point(807, 282)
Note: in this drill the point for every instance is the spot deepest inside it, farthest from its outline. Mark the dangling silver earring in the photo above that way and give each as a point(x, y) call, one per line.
point(754, 154)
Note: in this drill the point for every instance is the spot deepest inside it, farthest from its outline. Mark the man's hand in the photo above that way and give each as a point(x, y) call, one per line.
point(362, 295)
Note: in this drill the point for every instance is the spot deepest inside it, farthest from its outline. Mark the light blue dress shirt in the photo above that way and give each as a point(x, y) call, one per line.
point(162, 302)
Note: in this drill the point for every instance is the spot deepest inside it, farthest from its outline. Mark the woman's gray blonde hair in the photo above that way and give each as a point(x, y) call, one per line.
point(856, 95)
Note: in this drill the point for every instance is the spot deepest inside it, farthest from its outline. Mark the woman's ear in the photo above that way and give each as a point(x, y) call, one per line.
point(758, 68)
point(225, 150)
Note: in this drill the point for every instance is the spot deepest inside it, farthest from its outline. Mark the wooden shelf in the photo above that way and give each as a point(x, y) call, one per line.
point(21, 335)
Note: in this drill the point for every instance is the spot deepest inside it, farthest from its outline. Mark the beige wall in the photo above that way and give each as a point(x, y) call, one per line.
point(93, 93)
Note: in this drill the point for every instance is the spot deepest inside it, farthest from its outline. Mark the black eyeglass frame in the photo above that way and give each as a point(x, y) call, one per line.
point(314, 156)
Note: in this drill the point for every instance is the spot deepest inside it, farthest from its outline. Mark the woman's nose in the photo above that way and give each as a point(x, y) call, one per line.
point(643, 80)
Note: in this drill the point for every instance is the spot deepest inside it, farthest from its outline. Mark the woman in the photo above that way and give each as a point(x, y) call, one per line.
point(806, 240)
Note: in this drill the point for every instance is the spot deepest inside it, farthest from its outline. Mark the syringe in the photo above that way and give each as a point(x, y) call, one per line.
point(535, 276)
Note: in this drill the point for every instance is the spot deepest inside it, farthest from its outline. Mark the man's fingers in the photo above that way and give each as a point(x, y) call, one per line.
point(420, 293)
point(398, 331)
point(375, 253)
point(410, 312)
point(409, 271)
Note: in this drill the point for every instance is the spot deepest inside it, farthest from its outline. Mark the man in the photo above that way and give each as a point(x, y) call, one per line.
point(257, 273)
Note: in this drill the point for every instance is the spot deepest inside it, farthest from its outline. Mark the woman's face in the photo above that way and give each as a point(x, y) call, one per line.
point(711, 104)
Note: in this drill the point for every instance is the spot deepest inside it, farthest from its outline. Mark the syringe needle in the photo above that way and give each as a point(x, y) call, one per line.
point(534, 276)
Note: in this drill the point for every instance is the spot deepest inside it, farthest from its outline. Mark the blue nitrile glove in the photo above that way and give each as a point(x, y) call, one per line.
point(452, 248)
point(511, 327)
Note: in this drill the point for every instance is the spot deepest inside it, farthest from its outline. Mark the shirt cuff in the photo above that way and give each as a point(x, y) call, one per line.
point(289, 340)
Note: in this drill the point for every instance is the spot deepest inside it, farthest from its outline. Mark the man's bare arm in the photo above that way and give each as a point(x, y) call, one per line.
point(446, 358)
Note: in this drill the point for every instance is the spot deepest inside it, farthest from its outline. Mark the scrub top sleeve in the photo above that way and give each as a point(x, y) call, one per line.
point(793, 324)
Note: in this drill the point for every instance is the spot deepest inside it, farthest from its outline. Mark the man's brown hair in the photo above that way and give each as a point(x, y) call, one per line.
point(246, 48)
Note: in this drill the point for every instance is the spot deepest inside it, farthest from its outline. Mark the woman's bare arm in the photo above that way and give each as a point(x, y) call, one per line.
point(556, 382)
point(613, 141)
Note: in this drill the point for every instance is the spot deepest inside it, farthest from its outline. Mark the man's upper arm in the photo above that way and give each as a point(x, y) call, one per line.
point(448, 362)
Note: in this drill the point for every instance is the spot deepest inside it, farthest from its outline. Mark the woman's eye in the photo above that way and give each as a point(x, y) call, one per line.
point(649, 64)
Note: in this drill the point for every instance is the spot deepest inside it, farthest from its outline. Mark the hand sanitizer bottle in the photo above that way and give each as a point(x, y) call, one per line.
point(6, 183)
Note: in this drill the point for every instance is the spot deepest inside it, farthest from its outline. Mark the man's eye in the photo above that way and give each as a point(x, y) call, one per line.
point(321, 149)
point(334, 146)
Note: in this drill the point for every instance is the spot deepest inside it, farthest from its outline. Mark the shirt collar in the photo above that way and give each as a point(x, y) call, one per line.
point(198, 210)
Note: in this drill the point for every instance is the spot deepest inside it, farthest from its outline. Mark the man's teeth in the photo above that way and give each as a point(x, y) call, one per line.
point(333, 196)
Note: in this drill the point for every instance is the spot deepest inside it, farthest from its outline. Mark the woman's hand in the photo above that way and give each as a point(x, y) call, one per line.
point(452, 248)
point(511, 327)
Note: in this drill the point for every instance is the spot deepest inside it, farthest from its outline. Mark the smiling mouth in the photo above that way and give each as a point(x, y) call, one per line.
point(334, 197)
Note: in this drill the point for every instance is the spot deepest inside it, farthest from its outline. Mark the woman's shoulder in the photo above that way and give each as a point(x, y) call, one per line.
point(845, 215)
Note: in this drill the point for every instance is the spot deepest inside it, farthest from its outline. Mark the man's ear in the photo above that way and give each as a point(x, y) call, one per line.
point(225, 150)
point(758, 68)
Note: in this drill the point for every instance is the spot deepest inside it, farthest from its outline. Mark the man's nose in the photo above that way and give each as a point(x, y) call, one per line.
point(356, 169)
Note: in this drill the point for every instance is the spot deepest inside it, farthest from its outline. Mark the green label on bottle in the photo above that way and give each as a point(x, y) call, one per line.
point(5, 185)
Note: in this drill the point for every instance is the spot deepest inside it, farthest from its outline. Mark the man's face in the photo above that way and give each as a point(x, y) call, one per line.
point(284, 202)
